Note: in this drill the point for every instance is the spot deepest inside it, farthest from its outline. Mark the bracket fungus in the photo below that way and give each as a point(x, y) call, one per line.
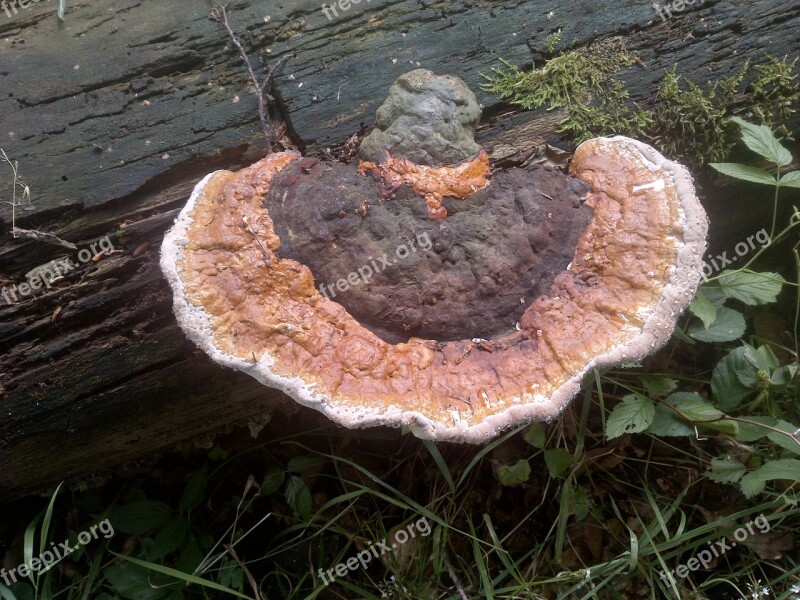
point(511, 287)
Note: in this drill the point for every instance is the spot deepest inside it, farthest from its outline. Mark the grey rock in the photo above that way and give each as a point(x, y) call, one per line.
point(428, 119)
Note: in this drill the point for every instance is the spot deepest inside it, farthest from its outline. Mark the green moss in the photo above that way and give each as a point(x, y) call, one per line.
point(566, 79)
point(552, 41)
point(685, 121)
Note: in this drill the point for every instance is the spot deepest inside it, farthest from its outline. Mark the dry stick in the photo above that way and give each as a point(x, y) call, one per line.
point(453, 575)
point(260, 88)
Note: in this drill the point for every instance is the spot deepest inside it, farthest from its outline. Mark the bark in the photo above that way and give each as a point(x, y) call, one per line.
point(115, 113)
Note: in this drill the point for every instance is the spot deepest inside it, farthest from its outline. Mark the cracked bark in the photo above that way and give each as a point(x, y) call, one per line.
point(115, 113)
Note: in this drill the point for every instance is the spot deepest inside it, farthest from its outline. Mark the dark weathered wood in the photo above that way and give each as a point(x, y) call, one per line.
point(116, 112)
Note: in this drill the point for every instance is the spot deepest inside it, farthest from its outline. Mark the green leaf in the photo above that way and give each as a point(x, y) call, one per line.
point(139, 518)
point(761, 140)
point(726, 385)
point(763, 358)
point(272, 481)
point(580, 502)
point(190, 558)
point(750, 432)
point(728, 326)
point(536, 435)
point(694, 407)
point(557, 460)
point(667, 424)
point(195, 490)
point(301, 464)
point(169, 538)
point(177, 575)
point(791, 179)
point(753, 483)
point(298, 496)
point(634, 414)
point(723, 426)
point(783, 375)
point(512, 475)
point(725, 470)
point(745, 172)
point(658, 386)
point(751, 288)
point(702, 308)
point(136, 583)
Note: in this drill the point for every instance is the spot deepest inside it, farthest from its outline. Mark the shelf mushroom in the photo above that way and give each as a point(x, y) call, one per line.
point(511, 286)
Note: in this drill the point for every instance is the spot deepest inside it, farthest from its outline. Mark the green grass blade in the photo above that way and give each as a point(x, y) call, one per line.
point(439, 460)
point(182, 576)
point(48, 515)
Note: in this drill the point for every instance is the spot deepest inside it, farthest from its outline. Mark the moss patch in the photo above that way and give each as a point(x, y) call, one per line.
point(686, 121)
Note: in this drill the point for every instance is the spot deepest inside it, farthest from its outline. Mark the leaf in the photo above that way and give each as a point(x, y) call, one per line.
point(704, 309)
point(753, 482)
point(745, 172)
point(750, 432)
point(135, 583)
point(272, 481)
point(580, 502)
point(765, 358)
point(512, 475)
point(783, 375)
point(171, 573)
point(726, 386)
point(169, 538)
point(761, 140)
point(301, 464)
point(723, 426)
point(195, 489)
point(634, 414)
point(658, 386)
point(694, 407)
point(725, 470)
point(728, 326)
point(139, 518)
point(298, 496)
point(667, 424)
point(791, 179)
point(536, 435)
point(751, 288)
point(557, 460)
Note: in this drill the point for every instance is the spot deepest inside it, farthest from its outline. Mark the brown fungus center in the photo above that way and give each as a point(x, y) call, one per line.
point(402, 275)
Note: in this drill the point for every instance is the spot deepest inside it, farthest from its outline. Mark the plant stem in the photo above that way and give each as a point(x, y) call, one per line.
point(775, 203)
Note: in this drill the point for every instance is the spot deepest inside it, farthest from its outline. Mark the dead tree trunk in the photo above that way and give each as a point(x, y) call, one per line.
point(116, 112)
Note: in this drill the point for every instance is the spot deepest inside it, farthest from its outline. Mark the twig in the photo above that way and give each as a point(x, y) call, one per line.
point(15, 182)
point(220, 14)
point(453, 575)
point(42, 236)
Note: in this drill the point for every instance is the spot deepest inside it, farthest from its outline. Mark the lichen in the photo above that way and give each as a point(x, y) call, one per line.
point(685, 121)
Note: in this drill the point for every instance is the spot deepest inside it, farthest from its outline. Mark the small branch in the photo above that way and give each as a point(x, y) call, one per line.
point(42, 236)
point(220, 14)
point(453, 576)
